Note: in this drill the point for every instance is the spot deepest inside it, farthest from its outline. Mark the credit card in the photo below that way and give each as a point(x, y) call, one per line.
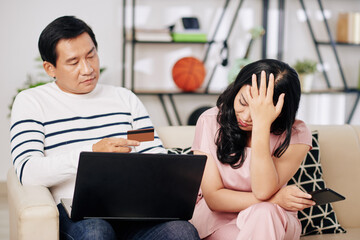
point(141, 135)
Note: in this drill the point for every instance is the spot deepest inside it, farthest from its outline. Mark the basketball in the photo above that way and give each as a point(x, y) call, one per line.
point(188, 73)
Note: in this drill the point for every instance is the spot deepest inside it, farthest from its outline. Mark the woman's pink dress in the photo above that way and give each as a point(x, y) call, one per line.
point(260, 221)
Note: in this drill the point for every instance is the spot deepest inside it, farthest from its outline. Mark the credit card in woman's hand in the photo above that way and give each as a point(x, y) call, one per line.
point(141, 135)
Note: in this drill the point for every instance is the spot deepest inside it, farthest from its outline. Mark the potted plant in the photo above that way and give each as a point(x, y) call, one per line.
point(306, 69)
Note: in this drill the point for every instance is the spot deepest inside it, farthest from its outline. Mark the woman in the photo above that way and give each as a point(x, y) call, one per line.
point(254, 146)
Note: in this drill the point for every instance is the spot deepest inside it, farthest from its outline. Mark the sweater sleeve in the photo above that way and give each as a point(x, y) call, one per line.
point(27, 133)
point(141, 120)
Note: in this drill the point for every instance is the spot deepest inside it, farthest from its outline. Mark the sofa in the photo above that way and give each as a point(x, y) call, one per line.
point(33, 213)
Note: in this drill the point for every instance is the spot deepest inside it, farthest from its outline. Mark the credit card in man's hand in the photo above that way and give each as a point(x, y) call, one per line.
point(141, 135)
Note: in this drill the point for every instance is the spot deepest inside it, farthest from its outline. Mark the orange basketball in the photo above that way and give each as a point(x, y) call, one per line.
point(188, 73)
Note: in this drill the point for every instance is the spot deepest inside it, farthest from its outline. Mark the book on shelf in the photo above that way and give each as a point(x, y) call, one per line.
point(150, 34)
point(189, 36)
point(348, 27)
point(187, 29)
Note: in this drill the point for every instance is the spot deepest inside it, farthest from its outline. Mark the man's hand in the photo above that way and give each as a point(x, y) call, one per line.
point(291, 198)
point(114, 145)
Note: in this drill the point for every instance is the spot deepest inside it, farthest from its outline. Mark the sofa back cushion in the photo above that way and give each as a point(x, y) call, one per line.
point(176, 136)
point(340, 160)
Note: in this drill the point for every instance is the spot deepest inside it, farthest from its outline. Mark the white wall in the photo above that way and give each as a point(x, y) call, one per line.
point(22, 21)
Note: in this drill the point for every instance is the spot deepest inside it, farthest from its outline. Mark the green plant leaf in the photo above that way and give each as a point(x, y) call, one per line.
point(305, 66)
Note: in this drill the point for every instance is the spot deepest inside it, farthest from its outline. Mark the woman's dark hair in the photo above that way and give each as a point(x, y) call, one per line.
point(231, 140)
point(66, 27)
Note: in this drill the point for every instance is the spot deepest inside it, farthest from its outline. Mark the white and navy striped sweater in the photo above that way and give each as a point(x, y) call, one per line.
point(49, 129)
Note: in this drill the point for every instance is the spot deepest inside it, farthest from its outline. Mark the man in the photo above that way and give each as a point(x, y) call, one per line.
point(53, 123)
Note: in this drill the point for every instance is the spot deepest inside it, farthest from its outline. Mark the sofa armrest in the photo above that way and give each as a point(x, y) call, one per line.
point(33, 213)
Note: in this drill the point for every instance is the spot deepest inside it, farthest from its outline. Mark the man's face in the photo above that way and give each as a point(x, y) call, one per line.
point(77, 66)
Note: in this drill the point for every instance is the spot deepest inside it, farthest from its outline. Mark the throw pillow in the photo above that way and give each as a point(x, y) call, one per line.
point(321, 218)
point(180, 150)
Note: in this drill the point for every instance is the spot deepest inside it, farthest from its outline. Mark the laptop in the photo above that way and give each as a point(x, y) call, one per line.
point(135, 186)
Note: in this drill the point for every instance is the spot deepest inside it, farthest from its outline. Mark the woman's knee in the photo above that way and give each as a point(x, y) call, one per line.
point(264, 207)
point(260, 212)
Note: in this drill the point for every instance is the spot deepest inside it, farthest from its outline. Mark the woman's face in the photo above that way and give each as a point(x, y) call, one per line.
point(242, 110)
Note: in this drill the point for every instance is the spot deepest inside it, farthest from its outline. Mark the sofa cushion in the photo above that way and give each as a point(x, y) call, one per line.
point(351, 234)
point(179, 150)
point(321, 218)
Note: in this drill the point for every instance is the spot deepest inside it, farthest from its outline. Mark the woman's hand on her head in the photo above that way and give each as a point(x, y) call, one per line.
point(291, 198)
point(260, 101)
point(114, 145)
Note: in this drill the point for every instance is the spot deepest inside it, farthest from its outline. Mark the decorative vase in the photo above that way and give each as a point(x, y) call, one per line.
point(306, 80)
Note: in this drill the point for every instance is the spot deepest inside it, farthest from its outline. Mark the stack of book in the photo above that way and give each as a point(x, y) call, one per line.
point(150, 35)
point(187, 29)
point(189, 36)
point(348, 27)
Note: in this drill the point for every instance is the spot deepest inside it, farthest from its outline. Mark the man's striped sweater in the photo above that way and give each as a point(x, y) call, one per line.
point(49, 129)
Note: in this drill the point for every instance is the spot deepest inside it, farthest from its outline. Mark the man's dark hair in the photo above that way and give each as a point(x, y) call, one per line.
point(66, 27)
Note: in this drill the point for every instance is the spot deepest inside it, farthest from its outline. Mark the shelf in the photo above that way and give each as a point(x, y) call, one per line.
point(333, 44)
point(199, 92)
point(333, 91)
point(169, 42)
point(338, 43)
point(131, 40)
point(173, 92)
point(170, 95)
